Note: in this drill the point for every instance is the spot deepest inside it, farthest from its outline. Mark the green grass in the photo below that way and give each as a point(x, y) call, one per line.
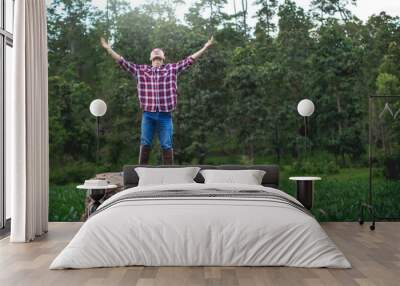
point(339, 195)
point(66, 203)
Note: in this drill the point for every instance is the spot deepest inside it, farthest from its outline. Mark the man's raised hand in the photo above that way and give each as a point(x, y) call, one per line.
point(197, 54)
point(113, 54)
point(210, 42)
point(104, 43)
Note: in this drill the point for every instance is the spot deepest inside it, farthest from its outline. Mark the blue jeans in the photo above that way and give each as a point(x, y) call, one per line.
point(160, 122)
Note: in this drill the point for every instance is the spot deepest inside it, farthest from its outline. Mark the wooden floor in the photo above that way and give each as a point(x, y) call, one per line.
point(375, 257)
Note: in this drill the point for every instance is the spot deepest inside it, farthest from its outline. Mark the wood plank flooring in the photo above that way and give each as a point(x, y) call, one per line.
point(375, 257)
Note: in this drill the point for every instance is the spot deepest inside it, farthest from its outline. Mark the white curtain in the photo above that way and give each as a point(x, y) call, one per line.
point(27, 148)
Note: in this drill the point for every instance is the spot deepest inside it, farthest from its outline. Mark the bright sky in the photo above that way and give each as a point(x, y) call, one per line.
point(363, 10)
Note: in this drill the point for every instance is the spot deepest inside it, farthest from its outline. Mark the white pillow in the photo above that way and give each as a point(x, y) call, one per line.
point(248, 177)
point(165, 176)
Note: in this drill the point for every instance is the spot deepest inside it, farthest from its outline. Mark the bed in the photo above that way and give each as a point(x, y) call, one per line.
point(201, 224)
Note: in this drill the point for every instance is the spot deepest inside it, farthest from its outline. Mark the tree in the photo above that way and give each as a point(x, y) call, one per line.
point(388, 84)
point(336, 65)
point(265, 25)
point(209, 24)
point(325, 9)
point(379, 31)
point(294, 46)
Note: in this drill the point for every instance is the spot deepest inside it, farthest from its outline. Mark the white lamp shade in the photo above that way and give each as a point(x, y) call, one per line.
point(305, 107)
point(98, 107)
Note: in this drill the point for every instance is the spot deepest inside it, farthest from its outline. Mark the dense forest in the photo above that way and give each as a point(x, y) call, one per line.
point(239, 100)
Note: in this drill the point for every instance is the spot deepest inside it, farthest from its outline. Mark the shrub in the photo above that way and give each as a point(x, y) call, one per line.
point(317, 167)
point(75, 172)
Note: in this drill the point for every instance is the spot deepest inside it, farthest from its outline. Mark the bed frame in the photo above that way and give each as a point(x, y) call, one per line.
point(270, 179)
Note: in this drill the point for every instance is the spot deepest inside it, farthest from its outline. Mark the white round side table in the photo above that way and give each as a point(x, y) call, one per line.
point(95, 193)
point(305, 190)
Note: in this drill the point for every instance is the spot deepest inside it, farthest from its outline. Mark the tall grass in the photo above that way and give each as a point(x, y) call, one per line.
point(66, 203)
point(339, 195)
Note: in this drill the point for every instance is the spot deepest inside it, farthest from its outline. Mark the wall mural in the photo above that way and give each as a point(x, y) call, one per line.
point(237, 104)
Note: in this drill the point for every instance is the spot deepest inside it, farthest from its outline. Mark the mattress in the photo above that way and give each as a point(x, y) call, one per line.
point(201, 225)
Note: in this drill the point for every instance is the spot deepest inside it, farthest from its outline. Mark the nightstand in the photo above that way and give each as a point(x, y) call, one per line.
point(305, 190)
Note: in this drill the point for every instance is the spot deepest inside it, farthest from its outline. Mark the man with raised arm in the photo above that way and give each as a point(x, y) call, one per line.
point(157, 93)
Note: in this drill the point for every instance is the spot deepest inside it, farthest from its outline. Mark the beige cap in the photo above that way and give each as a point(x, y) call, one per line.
point(157, 53)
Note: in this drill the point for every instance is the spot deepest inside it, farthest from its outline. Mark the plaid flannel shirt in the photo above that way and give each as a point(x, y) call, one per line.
point(157, 86)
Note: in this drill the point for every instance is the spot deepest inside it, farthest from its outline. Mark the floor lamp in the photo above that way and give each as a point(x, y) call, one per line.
point(98, 108)
point(369, 205)
point(305, 108)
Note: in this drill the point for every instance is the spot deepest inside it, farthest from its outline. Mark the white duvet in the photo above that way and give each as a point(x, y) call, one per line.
point(200, 231)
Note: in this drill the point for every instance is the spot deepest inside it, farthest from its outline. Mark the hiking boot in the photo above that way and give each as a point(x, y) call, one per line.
point(144, 154)
point(168, 156)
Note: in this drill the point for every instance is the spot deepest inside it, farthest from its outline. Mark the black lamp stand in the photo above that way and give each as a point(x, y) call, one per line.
point(97, 137)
